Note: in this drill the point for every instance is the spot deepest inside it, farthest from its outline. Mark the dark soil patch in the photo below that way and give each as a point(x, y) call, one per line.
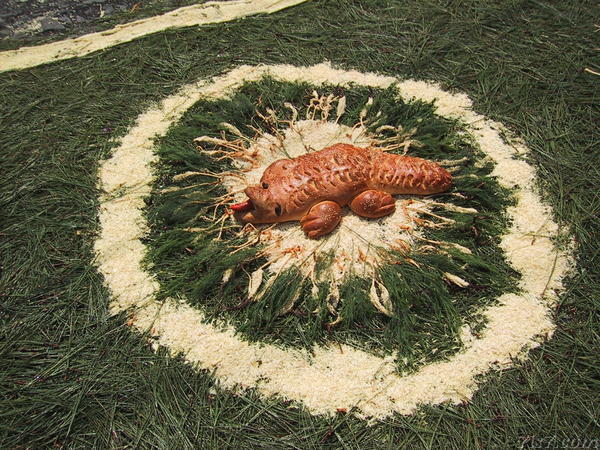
point(54, 19)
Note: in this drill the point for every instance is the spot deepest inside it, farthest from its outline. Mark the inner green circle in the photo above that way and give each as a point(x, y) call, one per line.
point(428, 310)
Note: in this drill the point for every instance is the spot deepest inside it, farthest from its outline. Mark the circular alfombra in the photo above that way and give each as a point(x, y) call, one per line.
point(173, 257)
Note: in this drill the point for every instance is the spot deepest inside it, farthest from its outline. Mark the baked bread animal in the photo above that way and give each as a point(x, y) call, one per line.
point(313, 188)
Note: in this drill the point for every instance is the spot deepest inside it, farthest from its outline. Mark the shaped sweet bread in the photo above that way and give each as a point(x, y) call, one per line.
point(313, 188)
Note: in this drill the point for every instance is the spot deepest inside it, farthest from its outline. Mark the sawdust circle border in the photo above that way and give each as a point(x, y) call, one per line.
point(329, 377)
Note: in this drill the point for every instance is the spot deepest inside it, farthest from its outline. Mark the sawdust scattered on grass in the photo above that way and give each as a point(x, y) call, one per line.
point(353, 245)
point(335, 376)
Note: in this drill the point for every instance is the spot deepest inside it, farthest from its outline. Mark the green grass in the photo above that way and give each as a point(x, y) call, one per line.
point(71, 375)
point(428, 312)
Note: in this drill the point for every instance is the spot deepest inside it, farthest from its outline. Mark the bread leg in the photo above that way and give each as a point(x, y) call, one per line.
point(321, 219)
point(373, 204)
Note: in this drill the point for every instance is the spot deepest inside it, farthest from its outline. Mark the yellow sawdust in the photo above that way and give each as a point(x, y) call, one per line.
point(355, 242)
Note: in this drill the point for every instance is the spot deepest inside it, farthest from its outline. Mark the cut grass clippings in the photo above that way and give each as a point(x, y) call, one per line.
point(71, 375)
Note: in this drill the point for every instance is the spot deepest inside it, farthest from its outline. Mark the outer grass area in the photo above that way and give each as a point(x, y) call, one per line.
point(70, 375)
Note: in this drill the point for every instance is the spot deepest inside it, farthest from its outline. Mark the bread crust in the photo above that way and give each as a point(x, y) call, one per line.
point(289, 188)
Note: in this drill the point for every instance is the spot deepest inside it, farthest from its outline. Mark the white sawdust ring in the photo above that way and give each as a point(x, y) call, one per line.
point(332, 376)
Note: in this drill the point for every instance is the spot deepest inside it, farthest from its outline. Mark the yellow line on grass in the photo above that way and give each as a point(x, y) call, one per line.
point(205, 13)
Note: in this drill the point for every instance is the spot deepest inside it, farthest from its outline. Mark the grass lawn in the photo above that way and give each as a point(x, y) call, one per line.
point(71, 375)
